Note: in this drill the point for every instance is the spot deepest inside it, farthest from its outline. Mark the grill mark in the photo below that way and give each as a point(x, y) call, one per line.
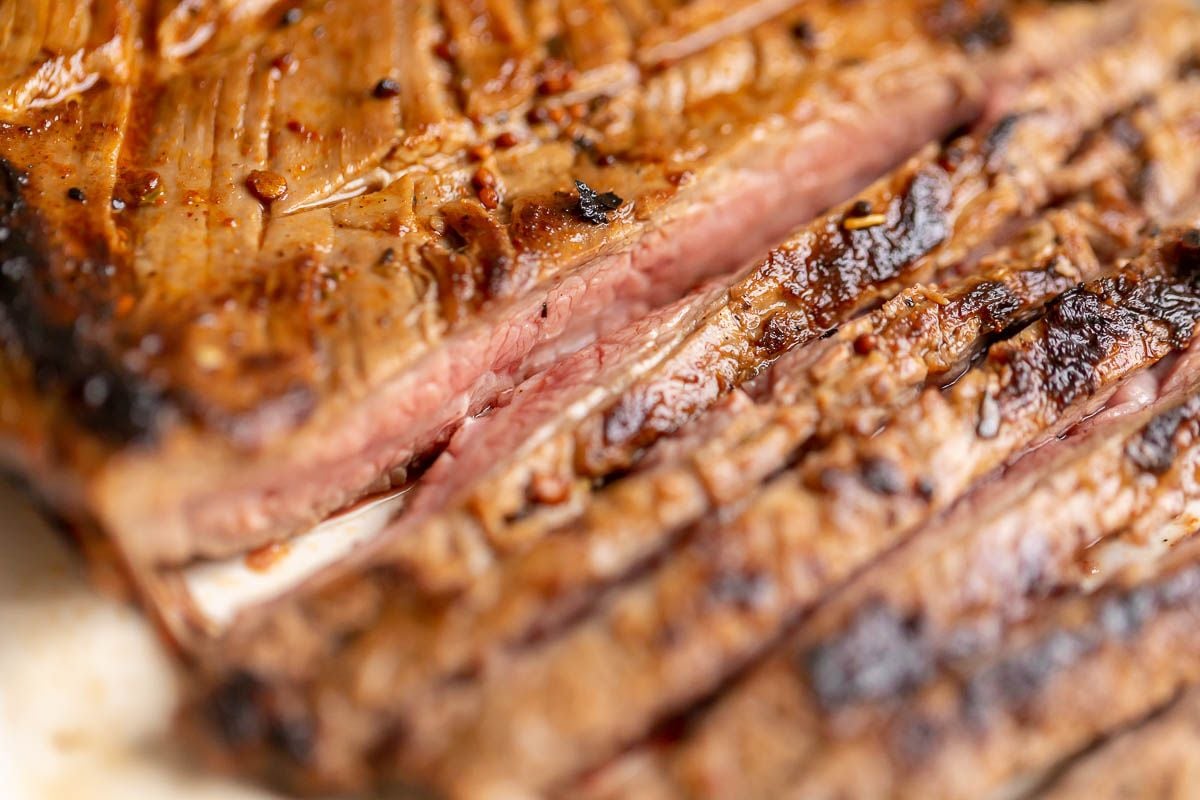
point(880, 656)
point(829, 271)
point(735, 596)
point(793, 563)
point(105, 398)
point(935, 333)
point(824, 276)
point(1046, 278)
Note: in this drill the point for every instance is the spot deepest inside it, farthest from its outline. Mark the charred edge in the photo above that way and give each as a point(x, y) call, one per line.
point(1013, 683)
point(995, 304)
point(1155, 448)
point(594, 207)
point(825, 284)
point(885, 655)
point(104, 398)
point(1084, 326)
point(846, 264)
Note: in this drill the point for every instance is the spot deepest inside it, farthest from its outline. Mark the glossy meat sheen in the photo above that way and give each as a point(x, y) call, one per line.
point(467, 700)
point(498, 515)
point(668, 637)
point(298, 242)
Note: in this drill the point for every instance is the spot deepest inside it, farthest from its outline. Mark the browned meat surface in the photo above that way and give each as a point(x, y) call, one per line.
point(503, 513)
point(525, 628)
point(262, 254)
point(844, 695)
point(792, 399)
point(1155, 758)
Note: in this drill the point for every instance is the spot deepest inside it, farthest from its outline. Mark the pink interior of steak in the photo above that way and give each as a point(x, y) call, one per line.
point(785, 180)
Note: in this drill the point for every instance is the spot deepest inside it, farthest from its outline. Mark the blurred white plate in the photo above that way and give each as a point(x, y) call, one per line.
point(86, 692)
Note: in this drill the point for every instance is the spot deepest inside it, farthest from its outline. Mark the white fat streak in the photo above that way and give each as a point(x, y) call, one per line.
point(219, 590)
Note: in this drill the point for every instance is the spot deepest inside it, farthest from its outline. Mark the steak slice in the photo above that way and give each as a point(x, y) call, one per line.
point(670, 637)
point(272, 266)
point(1156, 755)
point(501, 512)
point(1068, 519)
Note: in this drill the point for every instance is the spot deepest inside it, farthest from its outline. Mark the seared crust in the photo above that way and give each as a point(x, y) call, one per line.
point(295, 246)
point(875, 512)
point(680, 574)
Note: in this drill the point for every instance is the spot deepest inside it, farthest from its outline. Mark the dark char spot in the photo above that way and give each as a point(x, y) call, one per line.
point(595, 207)
point(991, 30)
point(235, 708)
point(880, 655)
point(103, 396)
point(882, 476)
point(1154, 449)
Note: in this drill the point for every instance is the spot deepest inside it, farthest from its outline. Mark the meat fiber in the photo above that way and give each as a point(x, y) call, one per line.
point(662, 586)
point(279, 255)
point(773, 399)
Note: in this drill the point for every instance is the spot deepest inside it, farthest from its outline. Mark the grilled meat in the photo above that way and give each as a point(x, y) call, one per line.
point(1155, 757)
point(858, 517)
point(500, 513)
point(263, 256)
point(1073, 517)
point(465, 692)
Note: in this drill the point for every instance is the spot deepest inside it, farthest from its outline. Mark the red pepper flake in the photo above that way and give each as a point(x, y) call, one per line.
point(864, 343)
point(557, 77)
point(506, 140)
point(284, 63)
point(489, 197)
point(300, 129)
point(267, 186)
point(483, 178)
point(142, 187)
point(538, 115)
point(480, 151)
point(680, 177)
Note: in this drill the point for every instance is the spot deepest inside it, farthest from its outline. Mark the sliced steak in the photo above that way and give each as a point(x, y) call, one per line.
point(276, 259)
point(1067, 519)
point(675, 634)
point(925, 336)
point(482, 518)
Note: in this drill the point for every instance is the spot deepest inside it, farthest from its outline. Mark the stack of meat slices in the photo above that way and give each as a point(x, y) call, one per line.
point(902, 508)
